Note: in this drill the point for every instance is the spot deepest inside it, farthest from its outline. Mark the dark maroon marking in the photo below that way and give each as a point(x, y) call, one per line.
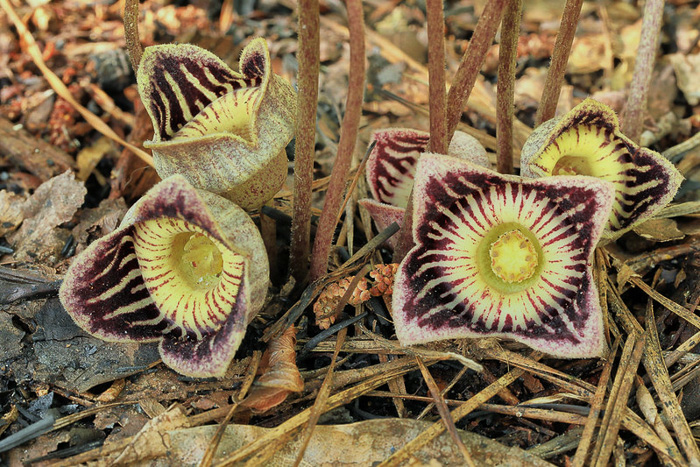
point(195, 99)
point(403, 143)
point(84, 289)
point(254, 66)
point(180, 201)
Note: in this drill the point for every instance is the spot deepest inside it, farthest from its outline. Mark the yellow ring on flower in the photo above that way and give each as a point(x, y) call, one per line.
point(191, 276)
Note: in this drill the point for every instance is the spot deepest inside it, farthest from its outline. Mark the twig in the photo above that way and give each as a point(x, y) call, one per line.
point(131, 33)
point(471, 63)
point(322, 396)
point(404, 454)
point(560, 56)
point(643, 68)
point(507, 54)
point(346, 145)
point(309, 66)
point(444, 412)
point(436, 76)
point(596, 408)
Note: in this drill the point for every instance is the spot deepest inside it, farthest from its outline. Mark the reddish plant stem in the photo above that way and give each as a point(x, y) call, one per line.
point(459, 93)
point(131, 32)
point(346, 145)
point(308, 57)
point(643, 68)
point(560, 57)
point(507, 55)
point(468, 70)
point(436, 76)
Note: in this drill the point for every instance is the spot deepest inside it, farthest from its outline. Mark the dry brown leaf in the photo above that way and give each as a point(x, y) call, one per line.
point(11, 212)
point(89, 157)
point(153, 439)
point(280, 374)
point(53, 203)
point(687, 68)
point(363, 443)
point(659, 230)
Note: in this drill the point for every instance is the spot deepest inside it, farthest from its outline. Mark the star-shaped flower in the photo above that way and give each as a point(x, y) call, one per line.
point(500, 255)
point(224, 131)
point(588, 141)
point(185, 267)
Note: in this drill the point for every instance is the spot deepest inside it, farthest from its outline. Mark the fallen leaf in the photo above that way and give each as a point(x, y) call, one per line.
point(687, 68)
point(89, 157)
point(280, 374)
point(659, 230)
point(11, 213)
point(362, 443)
point(54, 203)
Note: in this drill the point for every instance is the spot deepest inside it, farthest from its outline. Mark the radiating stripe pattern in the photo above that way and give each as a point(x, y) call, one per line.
point(106, 295)
point(392, 164)
point(177, 270)
point(587, 141)
point(198, 308)
point(186, 88)
point(444, 289)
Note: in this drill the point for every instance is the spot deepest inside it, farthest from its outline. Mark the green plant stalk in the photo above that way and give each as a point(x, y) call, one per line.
point(459, 93)
point(436, 76)
point(560, 57)
point(131, 32)
point(472, 60)
point(643, 68)
point(307, 99)
point(506, 86)
point(346, 145)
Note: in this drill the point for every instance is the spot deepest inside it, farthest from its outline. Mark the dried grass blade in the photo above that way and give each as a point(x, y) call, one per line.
point(656, 368)
point(276, 436)
point(681, 311)
point(404, 454)
point(617, 403)
point(208, 456)
point(444, 412)
point(647, 405)
point(321, 398)
point(596, 408)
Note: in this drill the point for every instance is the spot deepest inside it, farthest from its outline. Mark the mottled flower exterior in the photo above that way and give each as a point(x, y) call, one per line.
point(500, 255)
point(391, 167)
point(224, 131)
point(186, 267)
point(587, 141)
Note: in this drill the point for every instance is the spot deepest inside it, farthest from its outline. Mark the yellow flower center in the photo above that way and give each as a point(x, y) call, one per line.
point(513, 257)
point(573, 165)
point(193, 279)
point(509, 258)
point(201, 261)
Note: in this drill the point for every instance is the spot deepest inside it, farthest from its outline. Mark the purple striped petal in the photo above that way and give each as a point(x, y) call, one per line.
point(171, 272)
point(392, 163)
point(587, 141)
point(498, 255)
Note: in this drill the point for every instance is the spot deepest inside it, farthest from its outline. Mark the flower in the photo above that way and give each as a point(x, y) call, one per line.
point(391, 167)
point(587, 141)
point(500, 255)
point(186, 267)
point(224, 131)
